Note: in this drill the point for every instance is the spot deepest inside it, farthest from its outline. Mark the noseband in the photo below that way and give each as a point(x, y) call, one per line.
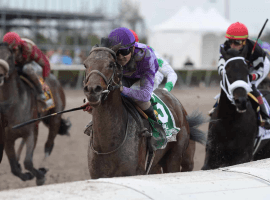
point(109, 82)
point(235, 84)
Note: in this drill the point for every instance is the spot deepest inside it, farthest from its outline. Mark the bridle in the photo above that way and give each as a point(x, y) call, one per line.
point(236, 84)
point(109, 82)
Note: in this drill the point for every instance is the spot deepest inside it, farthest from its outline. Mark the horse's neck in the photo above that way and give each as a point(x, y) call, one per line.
point(109, 121)
point(225, 106)
point(9, 90)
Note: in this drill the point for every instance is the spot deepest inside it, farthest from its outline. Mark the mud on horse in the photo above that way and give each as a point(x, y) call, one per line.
point(18, 104)
point(116, 146)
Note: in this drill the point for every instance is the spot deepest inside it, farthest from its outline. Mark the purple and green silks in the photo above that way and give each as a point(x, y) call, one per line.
point(147, 66)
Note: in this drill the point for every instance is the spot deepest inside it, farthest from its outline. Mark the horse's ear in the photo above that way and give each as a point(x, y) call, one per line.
point(223, 53)
point(245, 51)
point(116, 47)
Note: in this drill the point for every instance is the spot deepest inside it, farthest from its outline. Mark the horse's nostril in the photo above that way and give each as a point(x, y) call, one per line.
point(85, 89)
point(97, 89)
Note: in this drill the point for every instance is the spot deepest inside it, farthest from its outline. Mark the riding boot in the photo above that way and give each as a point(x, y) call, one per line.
point(265, 117)
point(150, 113)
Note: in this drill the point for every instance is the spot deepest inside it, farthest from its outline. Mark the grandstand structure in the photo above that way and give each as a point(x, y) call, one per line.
point(66, 20)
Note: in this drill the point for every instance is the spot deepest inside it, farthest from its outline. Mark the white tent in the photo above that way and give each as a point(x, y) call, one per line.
point(190, 34)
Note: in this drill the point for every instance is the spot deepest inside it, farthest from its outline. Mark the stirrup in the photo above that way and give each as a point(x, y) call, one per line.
point(88, 128)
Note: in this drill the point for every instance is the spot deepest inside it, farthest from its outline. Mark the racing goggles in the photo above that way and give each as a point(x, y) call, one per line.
point(123, 52)
point(236, 42)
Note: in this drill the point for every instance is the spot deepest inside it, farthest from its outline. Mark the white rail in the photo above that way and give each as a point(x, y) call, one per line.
point(247, 181)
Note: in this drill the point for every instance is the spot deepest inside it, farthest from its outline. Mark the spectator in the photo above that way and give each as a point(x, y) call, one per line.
point(188, 63)
point(56, 57)
point(66, 58)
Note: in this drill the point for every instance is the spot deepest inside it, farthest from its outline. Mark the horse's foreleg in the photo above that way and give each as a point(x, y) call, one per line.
point(188, 158)
point(54, 126)
point(14, 165)
point(28, 162)
point(19, 151)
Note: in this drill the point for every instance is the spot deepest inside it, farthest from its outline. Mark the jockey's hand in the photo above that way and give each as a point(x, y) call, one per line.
point(88, 108)
point(45, 87)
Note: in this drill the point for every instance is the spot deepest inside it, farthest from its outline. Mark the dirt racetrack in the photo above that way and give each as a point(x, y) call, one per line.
point(68, 161)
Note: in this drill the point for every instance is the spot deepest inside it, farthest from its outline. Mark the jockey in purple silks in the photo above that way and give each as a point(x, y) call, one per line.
point(140, 64)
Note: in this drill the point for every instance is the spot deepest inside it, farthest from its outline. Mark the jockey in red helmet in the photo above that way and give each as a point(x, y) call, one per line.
point(164, 70)
point(25, 51)
point(237, 35)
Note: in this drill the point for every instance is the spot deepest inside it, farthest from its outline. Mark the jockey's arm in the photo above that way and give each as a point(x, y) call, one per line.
point(41, 59)
point(146, 81)
point(221, 64)
point(260, 69)
point(168, 72)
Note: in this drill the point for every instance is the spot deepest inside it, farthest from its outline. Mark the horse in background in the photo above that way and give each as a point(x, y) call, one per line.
point(233, 127)
point(18, 104)
point(117, 146)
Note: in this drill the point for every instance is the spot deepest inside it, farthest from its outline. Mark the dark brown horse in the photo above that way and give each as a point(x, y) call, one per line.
point(18, 104)
point(234, 124)
point(116, 147)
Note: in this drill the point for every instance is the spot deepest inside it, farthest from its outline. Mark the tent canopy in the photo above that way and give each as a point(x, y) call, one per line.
point(197, 20)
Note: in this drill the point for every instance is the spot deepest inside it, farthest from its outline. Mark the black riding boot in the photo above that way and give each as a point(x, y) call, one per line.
point(150, 113)
point(265, 116)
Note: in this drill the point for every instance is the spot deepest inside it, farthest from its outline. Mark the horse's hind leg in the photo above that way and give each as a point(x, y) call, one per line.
point(28, 162)
point(173, 158)
point(15, 166)
point(188, 158)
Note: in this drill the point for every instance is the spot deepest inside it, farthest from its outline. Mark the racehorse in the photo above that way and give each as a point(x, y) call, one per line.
point(234, 123)
point(116, 146)
point(18, 104)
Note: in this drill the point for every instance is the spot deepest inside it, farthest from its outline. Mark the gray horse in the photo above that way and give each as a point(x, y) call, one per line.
point(117, 147)
point(18, 104)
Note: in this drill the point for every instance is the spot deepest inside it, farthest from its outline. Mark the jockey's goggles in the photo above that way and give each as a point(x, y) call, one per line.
point(123, 52)
point(236, 42)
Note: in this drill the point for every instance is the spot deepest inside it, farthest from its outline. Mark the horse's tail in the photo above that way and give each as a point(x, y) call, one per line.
point(195, 120)
point(64, 126)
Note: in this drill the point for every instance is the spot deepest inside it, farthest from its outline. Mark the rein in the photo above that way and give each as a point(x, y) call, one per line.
point(110, 88)
point(109, 82)
point(234, 85)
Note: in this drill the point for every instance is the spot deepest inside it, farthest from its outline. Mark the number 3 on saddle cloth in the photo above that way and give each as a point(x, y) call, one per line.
point(165, 119)
point(49, 97)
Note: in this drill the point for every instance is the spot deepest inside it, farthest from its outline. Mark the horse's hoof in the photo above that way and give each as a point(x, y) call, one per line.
point(40, 181)
point(48, 150)
point(27, 176)
point(43, 170)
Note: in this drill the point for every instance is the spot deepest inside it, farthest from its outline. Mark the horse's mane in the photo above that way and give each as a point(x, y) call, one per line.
point(233, 52)
point(105, 42)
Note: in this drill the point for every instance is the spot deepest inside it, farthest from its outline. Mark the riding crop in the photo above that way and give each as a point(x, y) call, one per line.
point(53, 114)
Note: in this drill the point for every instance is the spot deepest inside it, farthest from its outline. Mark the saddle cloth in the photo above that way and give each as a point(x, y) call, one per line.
point(165, 118)
point(49, 97)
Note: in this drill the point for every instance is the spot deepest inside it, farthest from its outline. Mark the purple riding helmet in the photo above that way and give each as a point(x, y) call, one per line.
point(124, 36)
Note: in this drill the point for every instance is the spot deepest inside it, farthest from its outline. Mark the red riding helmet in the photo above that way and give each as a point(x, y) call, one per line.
point(12, 38)
point(237, 31)
point(135, 35)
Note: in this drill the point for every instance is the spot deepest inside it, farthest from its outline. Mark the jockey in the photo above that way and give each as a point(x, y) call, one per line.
point(25, 51)
point(140, 64)
point(237, 35)
point(164, 70)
